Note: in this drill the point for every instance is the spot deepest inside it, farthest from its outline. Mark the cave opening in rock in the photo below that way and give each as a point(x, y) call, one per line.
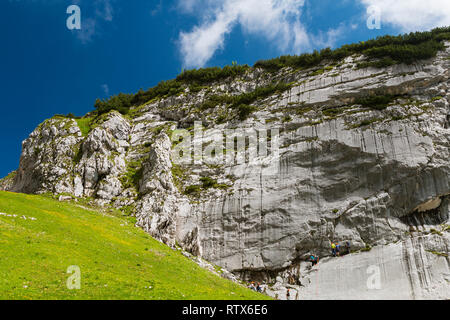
point(432, 212)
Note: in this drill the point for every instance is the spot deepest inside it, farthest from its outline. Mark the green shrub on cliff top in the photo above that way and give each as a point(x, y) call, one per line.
point(209, 75)
point(405, 48)
point(190, 78)
point(388, 50)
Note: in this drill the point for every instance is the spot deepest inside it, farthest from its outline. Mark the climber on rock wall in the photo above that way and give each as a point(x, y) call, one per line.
point(333, 249)
point(314, 260)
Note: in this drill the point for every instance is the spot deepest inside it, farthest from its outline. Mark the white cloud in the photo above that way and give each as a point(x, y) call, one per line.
point(198, 46)
point(413, 15)
point(276, 20)
point(192, 6)
point(93, 15)
point(87, 31)
point(105, 89)
point(91, 24)
point(104, 9)
point(329, 38)
point(157, 9)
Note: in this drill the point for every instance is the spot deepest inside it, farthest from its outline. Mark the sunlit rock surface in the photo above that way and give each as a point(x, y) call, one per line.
point(377, 178)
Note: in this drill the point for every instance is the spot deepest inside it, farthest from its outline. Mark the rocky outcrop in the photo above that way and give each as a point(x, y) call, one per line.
point(7, 182)
point(343, 171)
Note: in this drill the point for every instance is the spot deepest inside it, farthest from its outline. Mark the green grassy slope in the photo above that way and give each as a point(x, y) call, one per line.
point(116, 259)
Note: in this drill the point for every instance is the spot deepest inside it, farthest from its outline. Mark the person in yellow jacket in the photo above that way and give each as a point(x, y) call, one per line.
point(333, 249)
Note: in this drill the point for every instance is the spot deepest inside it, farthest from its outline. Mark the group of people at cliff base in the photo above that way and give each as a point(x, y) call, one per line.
point(314, 260)
point(335, 251)
point(256, 287)
point(336, 248)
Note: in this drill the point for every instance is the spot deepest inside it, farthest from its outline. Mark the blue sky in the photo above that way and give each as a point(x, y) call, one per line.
point(124, 45)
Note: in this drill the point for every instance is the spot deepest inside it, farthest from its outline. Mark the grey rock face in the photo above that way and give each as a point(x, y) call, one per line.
point(7, 182)
point(378, 178)
point(410, 269)
point(47, 158)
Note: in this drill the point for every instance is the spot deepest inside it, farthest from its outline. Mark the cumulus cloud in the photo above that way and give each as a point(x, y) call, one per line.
point(413, 15)
point(276, 20)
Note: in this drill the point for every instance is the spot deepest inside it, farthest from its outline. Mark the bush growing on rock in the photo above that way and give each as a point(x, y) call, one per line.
point(122, 103)
point(244, 111)
point(208, 75)
point(387, 50)
point(405, 48)
point(378, 102)
point(192, 78)
point(242, 102)
point(206, 183)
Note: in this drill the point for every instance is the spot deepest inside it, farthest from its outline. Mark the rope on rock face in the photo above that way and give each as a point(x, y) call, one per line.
point(318, 267)
point(317, 281)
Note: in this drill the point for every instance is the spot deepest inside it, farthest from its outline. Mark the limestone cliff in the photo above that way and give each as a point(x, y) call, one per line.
point(343, 171)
